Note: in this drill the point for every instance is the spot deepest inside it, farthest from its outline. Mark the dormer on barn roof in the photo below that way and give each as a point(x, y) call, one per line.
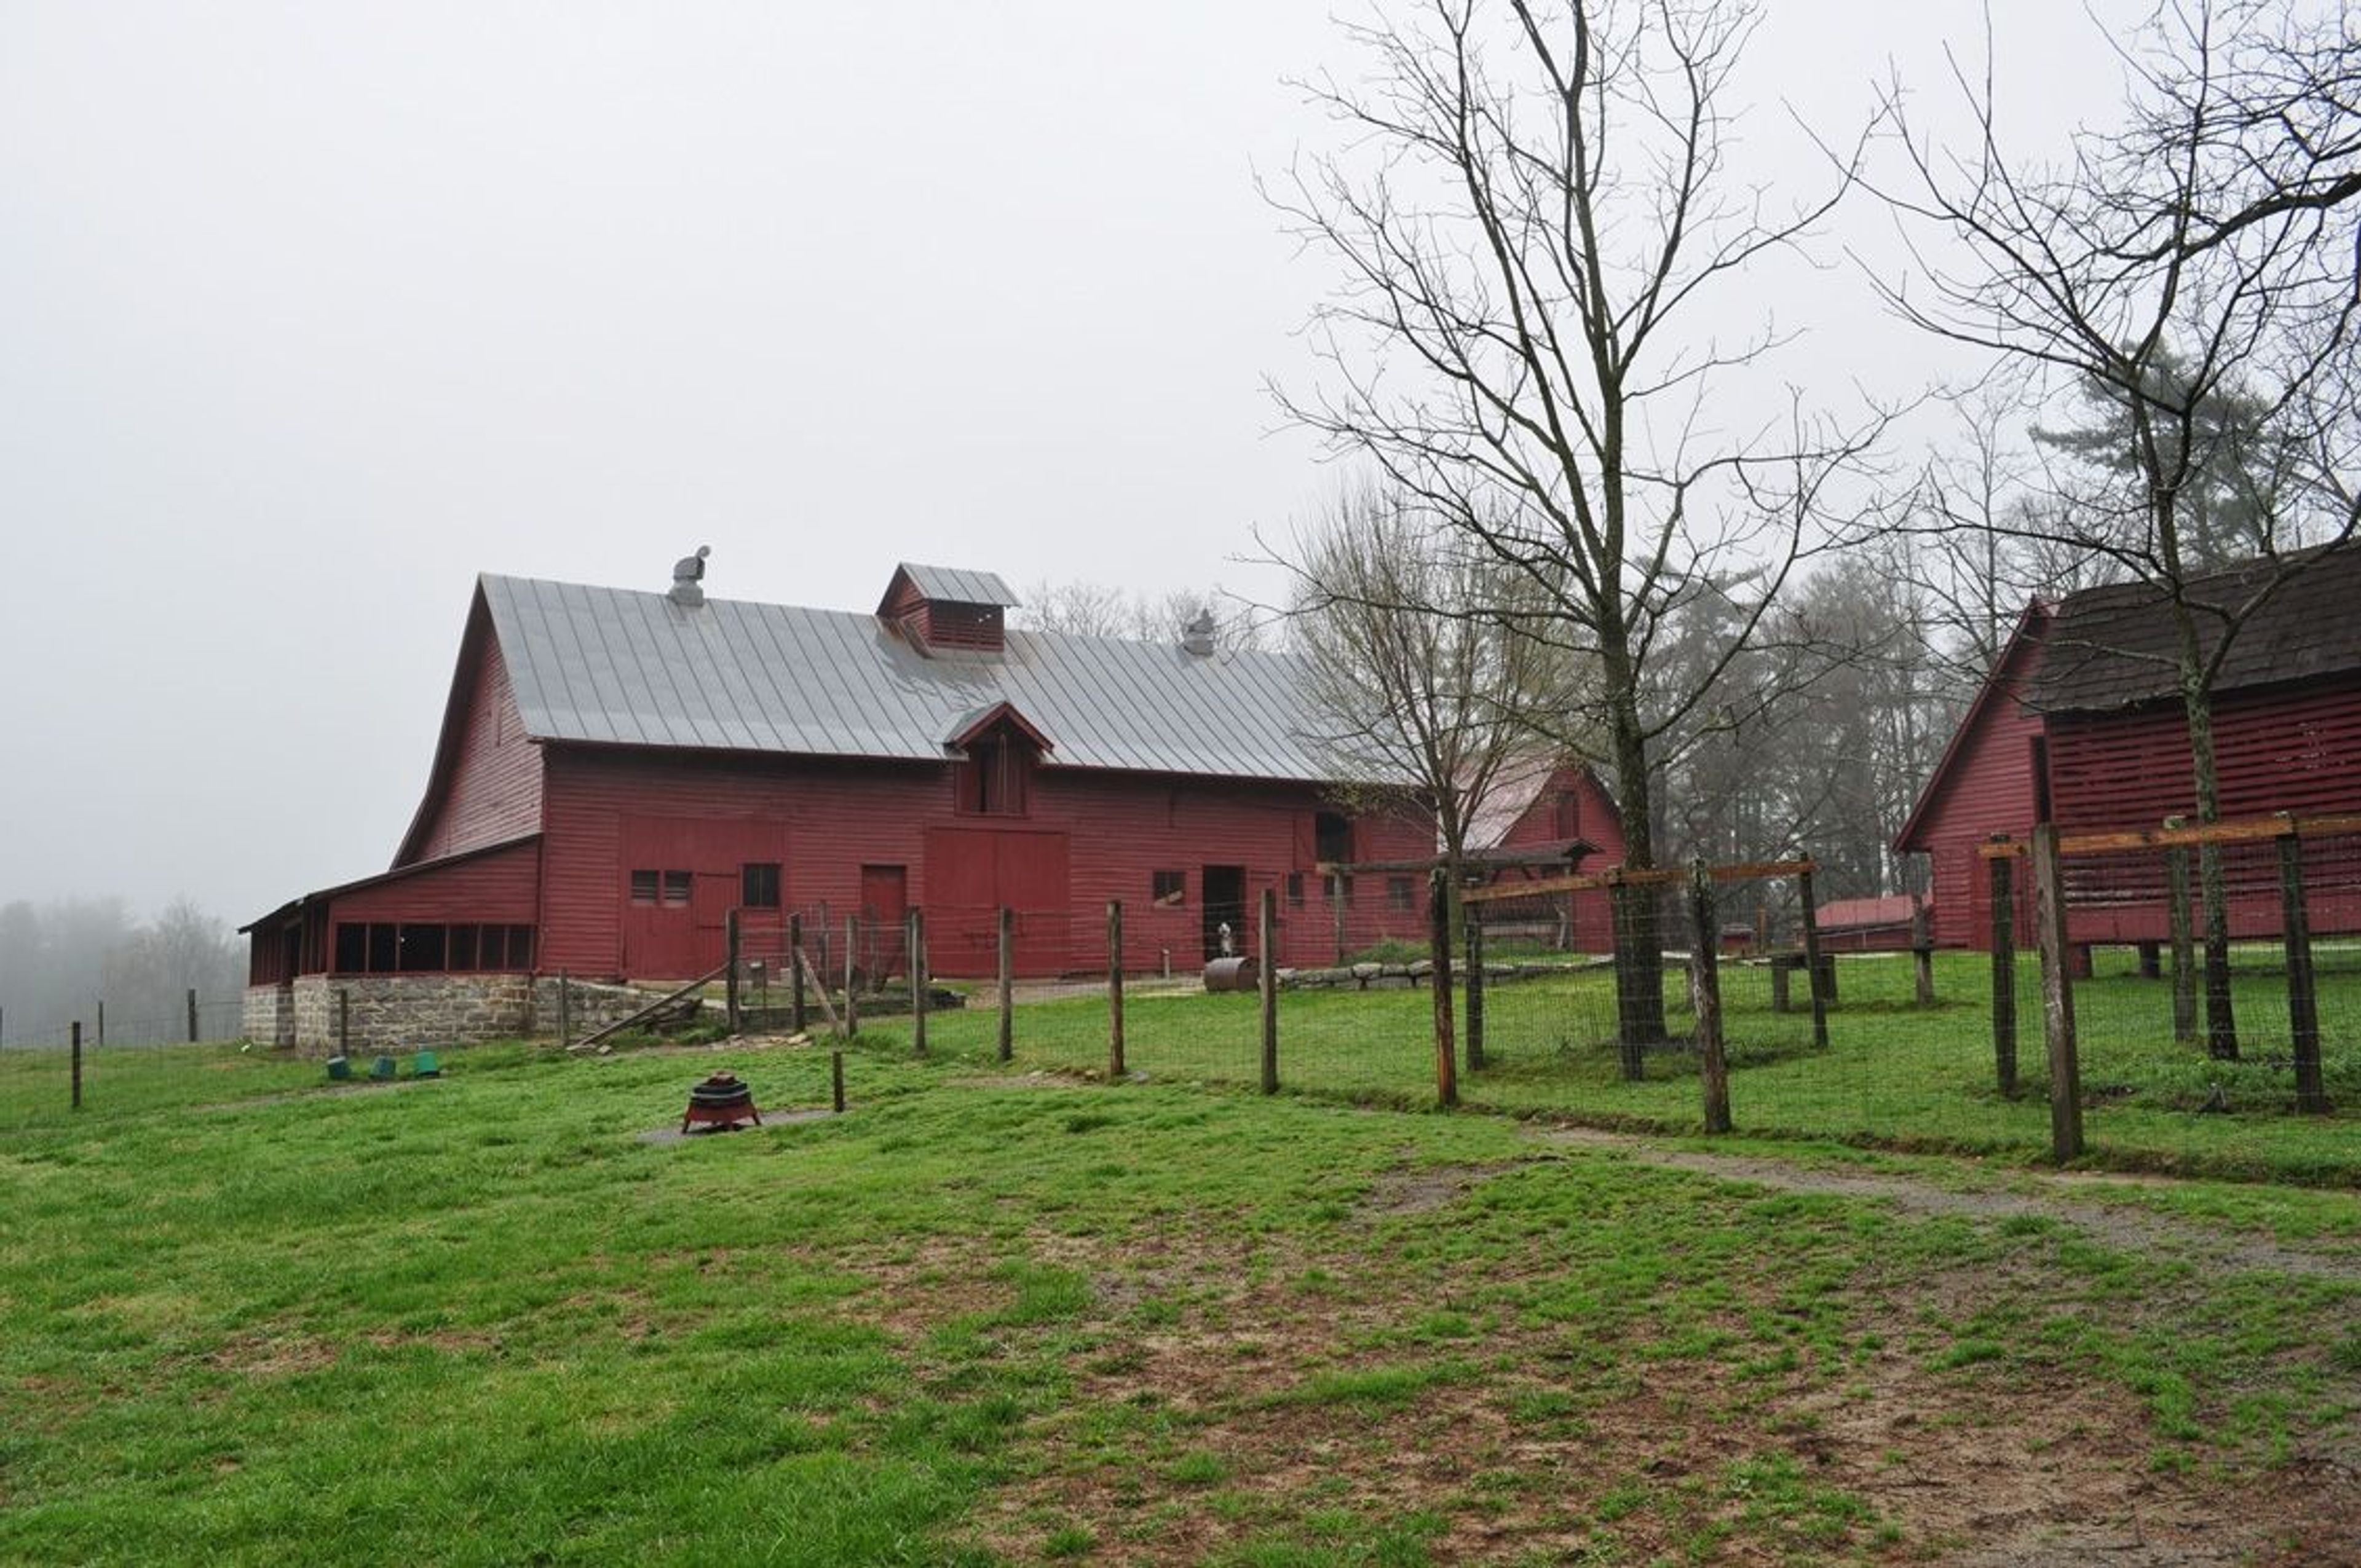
point(940, 607)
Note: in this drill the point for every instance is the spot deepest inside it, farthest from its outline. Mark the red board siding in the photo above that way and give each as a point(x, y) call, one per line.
point(1119, 829)
point(2298, 752)
point(493, 789)
point(1985, 787)
point(502, 886)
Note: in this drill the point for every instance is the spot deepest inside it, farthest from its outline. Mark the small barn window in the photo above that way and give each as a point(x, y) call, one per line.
point(1340, 890)
point(643, 887)
point(1168, 888)
point(675, 888)
point(758, 884)
point(1331, 838)
point(1398, 892)
point(1295, 890)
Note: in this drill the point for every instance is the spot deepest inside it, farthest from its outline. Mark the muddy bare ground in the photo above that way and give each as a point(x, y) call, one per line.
point(1222, 1436)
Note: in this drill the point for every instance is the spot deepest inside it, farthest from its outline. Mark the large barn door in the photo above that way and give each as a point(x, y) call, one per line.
point(971, 874)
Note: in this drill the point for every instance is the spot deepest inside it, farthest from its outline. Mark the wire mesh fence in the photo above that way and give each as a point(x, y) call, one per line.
point(109, 1061)
point(1903, 1051)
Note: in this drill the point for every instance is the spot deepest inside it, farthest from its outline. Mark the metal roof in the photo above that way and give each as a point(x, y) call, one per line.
point(949, 585)
point(619, 668)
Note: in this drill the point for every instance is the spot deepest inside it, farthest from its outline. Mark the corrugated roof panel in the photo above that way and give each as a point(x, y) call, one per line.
point(618, 665)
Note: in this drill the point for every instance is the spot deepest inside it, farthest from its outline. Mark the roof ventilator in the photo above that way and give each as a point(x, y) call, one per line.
point(1197, 637)
point(688, 578)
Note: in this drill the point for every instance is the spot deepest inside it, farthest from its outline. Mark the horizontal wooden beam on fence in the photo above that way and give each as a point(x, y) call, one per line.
point(1752, 870)
point(2244, 831)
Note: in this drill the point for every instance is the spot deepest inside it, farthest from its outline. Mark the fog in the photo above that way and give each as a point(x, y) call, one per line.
point(310, 313)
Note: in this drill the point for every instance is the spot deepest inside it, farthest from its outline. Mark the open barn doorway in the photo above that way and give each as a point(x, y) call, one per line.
point(1224, 904)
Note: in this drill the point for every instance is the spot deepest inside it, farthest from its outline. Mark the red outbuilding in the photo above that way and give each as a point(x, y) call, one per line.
point(621, 772)
point(2081, 724)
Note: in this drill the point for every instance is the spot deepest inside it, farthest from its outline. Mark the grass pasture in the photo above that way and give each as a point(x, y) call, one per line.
point(1008, 1316)
point(1895, 1075)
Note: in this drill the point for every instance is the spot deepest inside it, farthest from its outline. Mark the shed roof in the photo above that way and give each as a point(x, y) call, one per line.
point(615, 667)
point(2113, 647)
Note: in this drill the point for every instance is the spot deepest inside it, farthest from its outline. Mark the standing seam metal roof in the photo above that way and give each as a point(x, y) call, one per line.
point(953, 585)
point(619, 666)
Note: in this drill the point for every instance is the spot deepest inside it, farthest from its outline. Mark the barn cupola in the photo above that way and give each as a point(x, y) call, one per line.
point(941, 610)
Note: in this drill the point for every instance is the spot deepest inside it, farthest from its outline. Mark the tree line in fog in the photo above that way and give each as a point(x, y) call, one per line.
point(59, 959)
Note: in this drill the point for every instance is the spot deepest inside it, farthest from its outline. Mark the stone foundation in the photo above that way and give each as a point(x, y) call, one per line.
point(391, 1013)
point(271, 1016)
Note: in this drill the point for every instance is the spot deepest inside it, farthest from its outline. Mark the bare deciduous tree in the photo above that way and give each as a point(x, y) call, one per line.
point(2195, 260)
point(1412, 667)
point(1091, 610)
point(1530, 204)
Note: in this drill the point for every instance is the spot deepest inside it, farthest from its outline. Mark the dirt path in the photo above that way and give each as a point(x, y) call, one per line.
point(2063, 1198)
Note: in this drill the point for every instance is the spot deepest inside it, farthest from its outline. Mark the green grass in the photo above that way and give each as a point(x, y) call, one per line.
point(1894, 1075)
point(484, 1320)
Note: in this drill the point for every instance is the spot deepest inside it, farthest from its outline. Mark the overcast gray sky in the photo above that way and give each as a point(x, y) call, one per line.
point(309, 313)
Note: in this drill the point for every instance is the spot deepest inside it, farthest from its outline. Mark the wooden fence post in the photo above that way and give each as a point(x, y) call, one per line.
point(2003, 973)
point(2057, 997)
point(1815, 981)
point(2303, 1005)
point(915, 941)
point(1438, 914)
point(729, 938)
point(192, 1014)
point(77, 1064)
point(565, 1010)
point(1704, 995)
point(1471, 918)
point(835, 1080)
point(2183, 927)
point(852, 942)
point(1115, 990)
point(1267, 979)
point(1007, 983)
point(1922, 951)
point(344, 1021)
point(101, 1041)
point(795, 972)
point(1336, 911)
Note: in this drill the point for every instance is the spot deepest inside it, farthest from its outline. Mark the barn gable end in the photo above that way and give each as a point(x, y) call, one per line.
point(485, 784)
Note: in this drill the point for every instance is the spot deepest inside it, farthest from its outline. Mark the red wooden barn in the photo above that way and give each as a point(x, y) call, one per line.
point(2081, 723)
point(1539, 804)
point(620, 771)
